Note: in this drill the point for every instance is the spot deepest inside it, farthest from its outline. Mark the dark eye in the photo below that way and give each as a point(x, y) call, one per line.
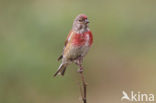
point(80, 20)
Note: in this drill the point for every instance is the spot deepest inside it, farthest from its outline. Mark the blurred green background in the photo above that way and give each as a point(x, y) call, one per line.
point(32, 35)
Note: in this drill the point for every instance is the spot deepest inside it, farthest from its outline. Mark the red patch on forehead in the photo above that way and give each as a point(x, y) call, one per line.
point(83, 16)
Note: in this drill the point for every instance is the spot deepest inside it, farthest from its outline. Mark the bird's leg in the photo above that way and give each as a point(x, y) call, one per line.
point(79, 63)
point(80, 70)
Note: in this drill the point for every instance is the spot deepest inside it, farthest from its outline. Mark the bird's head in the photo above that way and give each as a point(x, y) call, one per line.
point(80, 23)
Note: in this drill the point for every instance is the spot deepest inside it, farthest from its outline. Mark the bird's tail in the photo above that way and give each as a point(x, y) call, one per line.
point(61, 70)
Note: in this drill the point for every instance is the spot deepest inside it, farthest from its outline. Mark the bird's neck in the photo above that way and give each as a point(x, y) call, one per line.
point(80, 29)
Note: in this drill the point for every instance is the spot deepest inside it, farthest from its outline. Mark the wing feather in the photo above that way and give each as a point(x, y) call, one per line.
point(65, 44)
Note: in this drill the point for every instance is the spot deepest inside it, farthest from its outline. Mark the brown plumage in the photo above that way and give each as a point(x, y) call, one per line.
point(77, 44)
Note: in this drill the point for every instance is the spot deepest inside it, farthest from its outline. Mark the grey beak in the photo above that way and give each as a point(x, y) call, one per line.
point(86, 21)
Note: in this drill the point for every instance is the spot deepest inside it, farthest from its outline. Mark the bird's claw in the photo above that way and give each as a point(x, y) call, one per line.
point(79, 70)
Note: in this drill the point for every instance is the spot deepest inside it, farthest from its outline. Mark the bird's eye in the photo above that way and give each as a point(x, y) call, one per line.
point(80, 20)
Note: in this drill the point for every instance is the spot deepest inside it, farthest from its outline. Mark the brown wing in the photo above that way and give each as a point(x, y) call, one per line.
point(66, 42)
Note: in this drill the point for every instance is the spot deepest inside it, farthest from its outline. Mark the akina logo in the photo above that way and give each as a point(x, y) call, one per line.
point(137, 97)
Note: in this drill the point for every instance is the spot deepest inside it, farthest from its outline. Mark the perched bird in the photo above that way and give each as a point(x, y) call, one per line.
point(77, 44)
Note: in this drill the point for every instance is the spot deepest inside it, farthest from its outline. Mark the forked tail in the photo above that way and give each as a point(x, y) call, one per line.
point(61, 70)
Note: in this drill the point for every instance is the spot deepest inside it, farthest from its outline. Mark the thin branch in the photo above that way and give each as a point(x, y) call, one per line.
point(84, 84)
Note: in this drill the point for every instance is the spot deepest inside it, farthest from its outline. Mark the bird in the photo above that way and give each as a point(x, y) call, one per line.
point(77, 44)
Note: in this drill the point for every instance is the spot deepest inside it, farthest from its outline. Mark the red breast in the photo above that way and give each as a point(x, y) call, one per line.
point(82, 39)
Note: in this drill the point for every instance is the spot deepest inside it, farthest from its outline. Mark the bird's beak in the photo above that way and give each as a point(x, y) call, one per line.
point(86, 21)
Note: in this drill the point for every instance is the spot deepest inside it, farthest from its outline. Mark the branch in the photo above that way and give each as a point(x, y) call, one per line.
point(84, 85)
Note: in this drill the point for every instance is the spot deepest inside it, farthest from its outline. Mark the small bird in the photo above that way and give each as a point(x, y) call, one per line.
point(77, 44)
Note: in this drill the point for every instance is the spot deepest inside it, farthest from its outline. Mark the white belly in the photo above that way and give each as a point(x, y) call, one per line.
point(75, 52)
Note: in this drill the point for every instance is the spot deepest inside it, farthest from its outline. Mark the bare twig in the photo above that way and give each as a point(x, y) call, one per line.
point(84, 84)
